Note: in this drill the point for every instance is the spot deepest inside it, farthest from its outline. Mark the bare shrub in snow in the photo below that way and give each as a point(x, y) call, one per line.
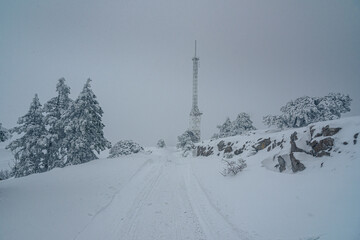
point(161, 143)
point(305, 110)
point(124, 147)
point(233, 167)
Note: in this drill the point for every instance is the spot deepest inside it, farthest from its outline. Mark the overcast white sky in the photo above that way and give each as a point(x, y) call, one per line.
point(254, 57)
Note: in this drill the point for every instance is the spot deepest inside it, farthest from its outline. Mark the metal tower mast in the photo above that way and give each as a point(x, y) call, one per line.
point(195, 114)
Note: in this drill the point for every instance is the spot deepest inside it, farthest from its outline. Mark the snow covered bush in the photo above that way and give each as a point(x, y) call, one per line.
point(233, 167)
point(5, 174)
point(305, 110)
point(124, 147)
point(4, 134)
point(186, 140)
point(30, 150)
point(161, 143)
point(84, 128)
point(240, 125)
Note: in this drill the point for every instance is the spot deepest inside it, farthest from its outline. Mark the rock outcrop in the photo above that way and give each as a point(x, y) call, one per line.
point(221, 145)
point(282, 164)
point(262, 144)
point(322, 147)
point(204, 151)
point(328, 131)
point(316, 140)
point(294, 148)
point(296, 165)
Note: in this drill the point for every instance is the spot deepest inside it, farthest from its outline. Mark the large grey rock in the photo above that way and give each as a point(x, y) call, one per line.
point(296, 165)
point(262, 144)
point(282, 164)
point(228, 149)
point(323, 145)
point(221, 145)
point(294, 148)
point(328, 131)
point(204, 151)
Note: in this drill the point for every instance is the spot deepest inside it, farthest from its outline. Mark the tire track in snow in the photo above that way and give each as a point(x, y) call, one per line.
point(214, 223)
point(139, 202)
point(114, 195)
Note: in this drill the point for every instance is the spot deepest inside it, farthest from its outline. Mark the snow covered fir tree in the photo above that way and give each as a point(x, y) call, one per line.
point(54, 110)
point(30, 150)
point(63, 132)
point(84, 128)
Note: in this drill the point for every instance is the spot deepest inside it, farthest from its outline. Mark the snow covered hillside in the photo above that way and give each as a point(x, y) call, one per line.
point(161, 195)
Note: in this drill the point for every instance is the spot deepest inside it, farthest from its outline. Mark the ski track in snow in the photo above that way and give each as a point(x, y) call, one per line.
point(163, 199)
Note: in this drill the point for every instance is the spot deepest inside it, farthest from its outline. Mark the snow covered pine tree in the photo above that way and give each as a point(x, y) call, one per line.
point(83, 128)
point(30, 150)
point(54, 109)
point(306, 110)
point(225, 128)
point(241, 124)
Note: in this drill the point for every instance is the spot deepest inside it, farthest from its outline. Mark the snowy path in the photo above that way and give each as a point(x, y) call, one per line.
point(163, 200)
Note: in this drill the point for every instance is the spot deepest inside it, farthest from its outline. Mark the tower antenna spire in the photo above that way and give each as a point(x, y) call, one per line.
point(195, 114)
point(195, 48)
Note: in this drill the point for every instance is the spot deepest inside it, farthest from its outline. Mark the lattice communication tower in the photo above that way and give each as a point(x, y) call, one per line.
point(195, 114)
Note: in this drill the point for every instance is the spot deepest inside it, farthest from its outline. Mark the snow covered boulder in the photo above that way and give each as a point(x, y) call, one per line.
point(125, 147)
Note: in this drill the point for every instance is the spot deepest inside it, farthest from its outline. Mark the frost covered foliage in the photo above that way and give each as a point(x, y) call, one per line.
point(5, 174)
point(240, 125)
point(305, 110)
point(233, 167)
point(186, 140)
point(30, 150)
point(54, 110)
point(161, 143)
point(83, 128)
point(125, 147)
point(4, 134)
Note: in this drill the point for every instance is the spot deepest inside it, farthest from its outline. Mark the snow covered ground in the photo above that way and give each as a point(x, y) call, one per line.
point(161, 195)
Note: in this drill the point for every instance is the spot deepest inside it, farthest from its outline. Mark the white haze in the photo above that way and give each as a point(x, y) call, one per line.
point(254, 57)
